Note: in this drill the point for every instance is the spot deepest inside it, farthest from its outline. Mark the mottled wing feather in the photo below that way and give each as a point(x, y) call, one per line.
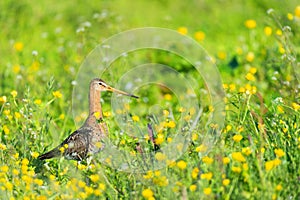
point(78, 144)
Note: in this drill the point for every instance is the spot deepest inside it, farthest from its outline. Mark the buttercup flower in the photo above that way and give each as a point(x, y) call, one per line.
point(250, 23)
point(182, 30)
point(147, 193)
point(181, 164)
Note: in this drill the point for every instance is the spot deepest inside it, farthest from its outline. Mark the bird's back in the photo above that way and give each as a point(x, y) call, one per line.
point(78, 145)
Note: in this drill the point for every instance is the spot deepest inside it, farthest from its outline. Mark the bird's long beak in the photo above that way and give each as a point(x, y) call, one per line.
point(121, 92)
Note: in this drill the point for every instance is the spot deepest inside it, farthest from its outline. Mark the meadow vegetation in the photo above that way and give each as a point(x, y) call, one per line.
point(254, 44)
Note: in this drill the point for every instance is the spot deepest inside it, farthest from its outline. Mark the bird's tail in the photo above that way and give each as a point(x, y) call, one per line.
point(51, 154)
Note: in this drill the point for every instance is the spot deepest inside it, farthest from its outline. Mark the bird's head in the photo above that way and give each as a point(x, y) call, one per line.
point(100, 85)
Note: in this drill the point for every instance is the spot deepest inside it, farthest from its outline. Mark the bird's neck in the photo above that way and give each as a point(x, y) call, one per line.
point(94, 103)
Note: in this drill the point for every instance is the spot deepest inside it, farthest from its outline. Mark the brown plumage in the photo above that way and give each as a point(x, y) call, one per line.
point(87, 139)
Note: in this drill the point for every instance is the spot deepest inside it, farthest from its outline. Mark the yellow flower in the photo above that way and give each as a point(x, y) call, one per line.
point(253, 90)
point(24, 169)
point(246, 151)
point(61, 116)
point(195, 173)
point(295, 106)
point(226, 182)
point(97, 192)
point(193, 188)
point(57, 94)
point(15, 172)
point(4, 168)
point(181, 109)
point(269, 165)
point(208, 176)
point(207, 160)
point(250, 23)
point(280, 109)
point(232, 87)
point(41, 197)
point(62, 149)
point(16, 69)
point(207, 191)
point(148, 175)
point(88, 190)
point(279, 152)
point(276, 162)
point(9, 186)
point(290, 16)
point(147, 193)
point(242, 90)
point(250, 77)
point(34, 154)
point(250, 56)
point(237, 137)
point(135, 118)
point(236, 169)
point(278, 187)
point(181, 164)
point(16, 155)
point(168, 97)
point(281, 49)
point(17, 115)
point(194, 136)
point(97, 114)
point(245, 166)
point(166, 113)
point(253, 70)
point(102, 186)
point(297, 11)
point(14, 93)
point(222, 55)
point(2, 147)
point(157, 173)
point(201, 148)
point(268, 30)
point(37, 101)
point(161, 181)
point(279, 32)
point(25, 161)
point(6, 130)
point(82, 195)
point(35, 66)
point(18, 46)
point(6, 112)
point(226, 160)
point(171, 163)
point(94, 178)
point(39, 182)
point(199, 36)
point(160, 156)
point(238, 156)
point(81, 184)
point(170, 124)
point(3, 99)
point(182, 30)
point(159, 139)
point(239, 50)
